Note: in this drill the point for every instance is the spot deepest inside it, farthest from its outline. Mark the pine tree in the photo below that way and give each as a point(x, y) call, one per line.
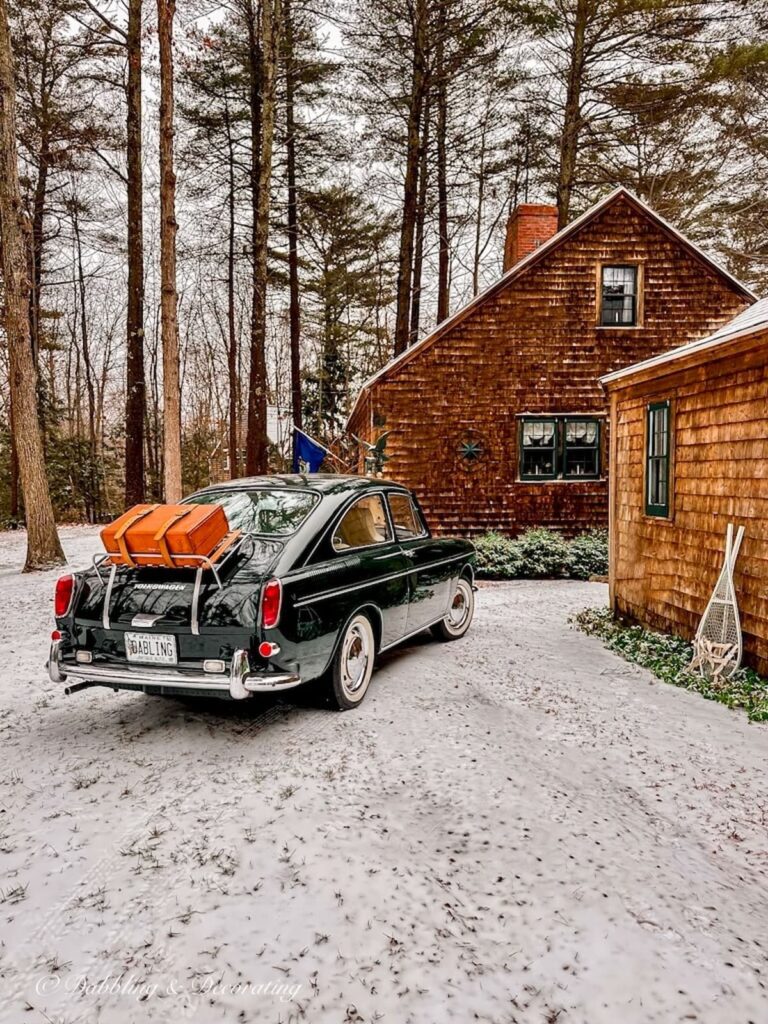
point(135, 386)
point(264, 45)
point(43, 546)
point(166, 10)
point(215, 107)
point(344, 236)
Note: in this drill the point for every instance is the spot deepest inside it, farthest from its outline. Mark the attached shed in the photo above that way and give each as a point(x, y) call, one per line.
point(497, 419)
point(689, 454)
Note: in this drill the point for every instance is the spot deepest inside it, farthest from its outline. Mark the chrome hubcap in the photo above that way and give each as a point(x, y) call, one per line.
point(459, 610)
point(354, 659)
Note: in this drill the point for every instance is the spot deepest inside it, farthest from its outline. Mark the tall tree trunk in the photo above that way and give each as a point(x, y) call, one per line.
point(421, 216)
point(294, 321)
point(232, 345)
point(43, 546)
point(256, 353)
point(154, 455)
point(256, 449)
point(38, 220)
point(135, 392)
point(14, 470)
point(166, 10)
point(479, 212)
point(92, 501)
point(410, 186)
point(443, 253)
point(569, 140)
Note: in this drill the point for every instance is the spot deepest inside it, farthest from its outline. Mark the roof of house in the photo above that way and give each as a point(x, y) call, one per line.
point(532, 259)
point(749, 321)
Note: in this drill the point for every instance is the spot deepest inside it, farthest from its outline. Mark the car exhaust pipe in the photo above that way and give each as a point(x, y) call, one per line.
point(86, 684)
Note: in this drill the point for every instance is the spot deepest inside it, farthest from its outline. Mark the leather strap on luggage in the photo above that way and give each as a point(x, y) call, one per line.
point(120, 535)
point(160, 537)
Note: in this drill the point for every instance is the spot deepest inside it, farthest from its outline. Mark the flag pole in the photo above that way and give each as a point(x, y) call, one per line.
point(298, 430)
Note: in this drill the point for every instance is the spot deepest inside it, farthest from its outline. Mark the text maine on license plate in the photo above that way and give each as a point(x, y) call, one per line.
point(151, 648)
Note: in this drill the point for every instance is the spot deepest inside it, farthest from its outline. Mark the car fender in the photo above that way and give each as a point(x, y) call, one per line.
point(468, 570)
point(373, 613)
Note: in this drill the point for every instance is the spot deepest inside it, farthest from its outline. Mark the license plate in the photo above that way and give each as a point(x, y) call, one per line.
point(151, 648)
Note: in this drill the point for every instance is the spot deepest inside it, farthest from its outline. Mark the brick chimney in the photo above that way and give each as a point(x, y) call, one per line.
point(528, 227)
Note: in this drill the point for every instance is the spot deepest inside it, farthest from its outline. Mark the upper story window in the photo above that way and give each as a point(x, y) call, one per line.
point(657, 457)
point(559, 448)
point(618, 296)
point(363, 524)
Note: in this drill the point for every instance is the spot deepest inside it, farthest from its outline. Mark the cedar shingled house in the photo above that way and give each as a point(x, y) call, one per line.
point(689, 454)
point(498, 418)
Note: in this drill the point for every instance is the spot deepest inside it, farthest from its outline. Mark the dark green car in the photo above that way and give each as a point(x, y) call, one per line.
point(330, 571)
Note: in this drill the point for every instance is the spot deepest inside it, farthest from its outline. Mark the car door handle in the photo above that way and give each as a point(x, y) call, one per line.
point(409, 554)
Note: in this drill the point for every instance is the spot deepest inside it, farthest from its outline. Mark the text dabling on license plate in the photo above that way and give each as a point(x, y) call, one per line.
point(151, 648)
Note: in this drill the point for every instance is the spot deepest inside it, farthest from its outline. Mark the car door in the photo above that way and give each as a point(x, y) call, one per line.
point(430, 576)
point(375, 569)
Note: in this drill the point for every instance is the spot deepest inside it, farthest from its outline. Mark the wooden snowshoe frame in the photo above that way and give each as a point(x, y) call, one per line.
point(717, 646)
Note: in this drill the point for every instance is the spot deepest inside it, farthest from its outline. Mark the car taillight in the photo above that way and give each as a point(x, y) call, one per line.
point(271, 599)
point(63, 596)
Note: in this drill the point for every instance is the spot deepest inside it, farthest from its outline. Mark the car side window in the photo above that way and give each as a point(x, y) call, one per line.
point(406, 521)
point(363, 524)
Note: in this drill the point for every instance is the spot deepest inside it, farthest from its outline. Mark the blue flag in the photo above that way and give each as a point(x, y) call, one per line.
point(308, 455)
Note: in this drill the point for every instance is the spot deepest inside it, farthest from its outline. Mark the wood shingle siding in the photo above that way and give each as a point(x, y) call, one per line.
point(532, 344)
point(663, 571)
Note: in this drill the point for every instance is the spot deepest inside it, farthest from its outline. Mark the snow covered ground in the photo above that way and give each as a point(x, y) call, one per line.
point(518, 827)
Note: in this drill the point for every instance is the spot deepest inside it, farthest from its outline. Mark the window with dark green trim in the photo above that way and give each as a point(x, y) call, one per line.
point(581, 448)
point(559, 448)
point(619, 296)
point(538, 449)
point(657, 449)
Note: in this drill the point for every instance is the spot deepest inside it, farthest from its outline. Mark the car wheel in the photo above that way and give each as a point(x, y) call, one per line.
point(459, 617)
point(353, 663)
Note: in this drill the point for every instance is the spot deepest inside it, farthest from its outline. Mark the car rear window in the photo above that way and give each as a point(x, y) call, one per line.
point(261, 510)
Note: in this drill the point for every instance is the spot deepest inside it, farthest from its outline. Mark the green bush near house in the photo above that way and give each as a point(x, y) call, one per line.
point(498, 557)
point(544, 553)
point(540, 553)
point(588, 555)
point(668, 657)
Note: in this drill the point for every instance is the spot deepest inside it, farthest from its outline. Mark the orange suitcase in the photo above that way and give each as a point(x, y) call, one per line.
point(165, 534)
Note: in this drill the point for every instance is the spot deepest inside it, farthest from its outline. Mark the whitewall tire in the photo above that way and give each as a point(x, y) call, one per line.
point(458, 619)
point(353, 663)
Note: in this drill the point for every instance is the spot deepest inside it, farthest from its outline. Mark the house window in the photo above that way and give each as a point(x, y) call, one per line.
point(559, 447)
point(538, 449)
point(618, 306)
point(657, 460)
point(581, 448)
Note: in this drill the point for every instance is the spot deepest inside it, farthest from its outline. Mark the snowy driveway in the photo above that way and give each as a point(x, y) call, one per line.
point(518, 827)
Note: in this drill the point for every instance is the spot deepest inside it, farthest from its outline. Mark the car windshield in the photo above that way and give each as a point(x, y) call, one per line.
point(260, 510)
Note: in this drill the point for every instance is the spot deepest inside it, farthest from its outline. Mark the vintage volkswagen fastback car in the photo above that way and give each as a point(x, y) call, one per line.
point(330, 571)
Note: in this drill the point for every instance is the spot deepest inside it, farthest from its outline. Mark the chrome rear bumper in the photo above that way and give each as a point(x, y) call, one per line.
point(238, 684)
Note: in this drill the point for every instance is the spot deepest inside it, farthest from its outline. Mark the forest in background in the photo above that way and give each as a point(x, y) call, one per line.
point(293, 194)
